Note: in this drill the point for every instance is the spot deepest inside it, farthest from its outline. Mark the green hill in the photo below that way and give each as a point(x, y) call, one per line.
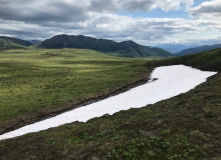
point(209, 61)
point(5, 44)
point(122, 49)
point(12, 43)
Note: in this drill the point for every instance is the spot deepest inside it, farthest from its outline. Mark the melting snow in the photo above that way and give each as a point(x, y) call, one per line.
point(171, 81)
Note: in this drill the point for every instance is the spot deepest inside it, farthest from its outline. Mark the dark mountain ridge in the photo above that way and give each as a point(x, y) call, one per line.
point(198, 49)
point(123, 49)
point(175, 48)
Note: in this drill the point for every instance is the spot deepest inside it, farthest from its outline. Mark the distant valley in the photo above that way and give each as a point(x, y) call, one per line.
point(175, 48)
point(198, 49)
point(47, 82)
point(181, 50)
point(34, 41)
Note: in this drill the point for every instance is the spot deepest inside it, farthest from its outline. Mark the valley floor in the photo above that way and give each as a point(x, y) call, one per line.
point(171, 81)
point(184, 127)
point(39, 83)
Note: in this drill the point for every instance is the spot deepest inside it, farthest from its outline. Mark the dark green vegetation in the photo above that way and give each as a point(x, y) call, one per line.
point(198, 49)
point(12, 43)
point(122, 49)
point(207, 61)
point(184, 127)
point(37, 82)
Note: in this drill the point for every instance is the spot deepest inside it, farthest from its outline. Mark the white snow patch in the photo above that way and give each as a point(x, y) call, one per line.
point(171, 81)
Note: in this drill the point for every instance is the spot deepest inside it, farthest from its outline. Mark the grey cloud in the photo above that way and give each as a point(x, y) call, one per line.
point(140, 5)
point(42, 11)
point(143, 29)
point(40, 19)
point(117, 5)
point(136, 5)
point(104, 5)
point(210, 9)
point(104, 26)
point(47, 11)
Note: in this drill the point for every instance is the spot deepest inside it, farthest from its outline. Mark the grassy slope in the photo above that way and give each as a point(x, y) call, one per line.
point(184, 127)
point(39, 80)
point(6, 44)
point(209, 61)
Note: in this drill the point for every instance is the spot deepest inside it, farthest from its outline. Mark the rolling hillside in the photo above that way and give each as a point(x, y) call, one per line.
point(184, 127)
point(12, 43)
point(122, 49)
point(208, 61)
point(46, 81)
point(198, 49)
point(5, 44)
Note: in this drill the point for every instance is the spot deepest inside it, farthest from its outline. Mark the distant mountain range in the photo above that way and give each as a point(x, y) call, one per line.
point(198, 49)
point(12, 43)
point(175, 48)
point(123, 49)
point(34, 41)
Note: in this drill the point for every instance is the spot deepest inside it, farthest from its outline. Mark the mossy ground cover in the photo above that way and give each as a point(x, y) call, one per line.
point(184, 127)
point(32, 80)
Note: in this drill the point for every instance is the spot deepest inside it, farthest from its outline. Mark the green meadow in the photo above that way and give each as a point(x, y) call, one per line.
point(33, 80)
point(185, 127)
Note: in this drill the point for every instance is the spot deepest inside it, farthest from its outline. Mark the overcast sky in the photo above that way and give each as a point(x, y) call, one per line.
point(148, 22)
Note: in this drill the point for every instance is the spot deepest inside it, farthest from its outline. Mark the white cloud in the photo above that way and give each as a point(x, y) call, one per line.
point(107, 25)
point(39, 19)
point(210, 12)
point(42, 11)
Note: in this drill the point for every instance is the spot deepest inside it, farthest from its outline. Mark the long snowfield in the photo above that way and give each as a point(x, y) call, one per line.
point(171, 81)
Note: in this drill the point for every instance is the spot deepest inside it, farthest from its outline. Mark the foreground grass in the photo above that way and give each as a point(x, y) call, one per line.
point(40, 80)
point(184, 127)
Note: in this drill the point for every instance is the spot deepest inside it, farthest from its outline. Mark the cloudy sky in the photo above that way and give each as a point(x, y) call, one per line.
point(148, 22)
